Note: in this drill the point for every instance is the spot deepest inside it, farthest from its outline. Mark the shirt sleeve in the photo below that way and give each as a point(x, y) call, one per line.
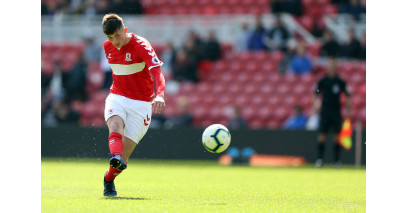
point(148, 55)
point(344, 88)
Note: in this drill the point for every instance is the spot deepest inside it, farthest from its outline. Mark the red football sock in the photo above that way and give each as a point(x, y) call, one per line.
point(111, 174)
point(116, 145)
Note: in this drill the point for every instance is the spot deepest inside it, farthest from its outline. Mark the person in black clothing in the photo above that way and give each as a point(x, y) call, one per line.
point(351, 49)
point(363, 51)
point(277, 37)
point(330, 46)
point(236, 121)
point(330, 87)
point(184, 68)
point(212, 47)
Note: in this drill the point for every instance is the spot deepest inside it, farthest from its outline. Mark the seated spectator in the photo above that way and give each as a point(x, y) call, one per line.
point(169, 56)
point(92, 49)
point(212, 47)
point(241, 42)
point(194, 49)
point(184, 69)
point(256, 39)
point(76, 81)
point(318, 28)
point(108, 72)
point(363, 51)
point(330, 47)
point(354, 8)
point(301, 62)
point(277, 6)
point(236, 121)
point(182, 117)
point(64, 114)
point(293, 7)
point(352, 47)
point(132, 7)
point(296, 121)
point(313, 121)
point(277, 37)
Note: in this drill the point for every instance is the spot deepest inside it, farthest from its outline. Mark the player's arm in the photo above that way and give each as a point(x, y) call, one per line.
point(348, 99)
point(316, 98)
point(158, 104)
point(148, 55)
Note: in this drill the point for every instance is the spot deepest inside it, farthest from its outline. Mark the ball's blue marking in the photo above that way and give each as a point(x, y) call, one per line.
point(214, 136)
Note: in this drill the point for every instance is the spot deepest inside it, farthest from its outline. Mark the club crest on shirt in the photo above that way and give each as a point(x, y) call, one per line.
point(128, 57)
point(336, 89)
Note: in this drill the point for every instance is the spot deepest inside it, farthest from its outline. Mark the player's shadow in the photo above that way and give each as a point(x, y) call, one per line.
point(126, 198)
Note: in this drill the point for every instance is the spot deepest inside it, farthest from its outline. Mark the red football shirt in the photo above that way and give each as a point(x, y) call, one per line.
point(131, 65)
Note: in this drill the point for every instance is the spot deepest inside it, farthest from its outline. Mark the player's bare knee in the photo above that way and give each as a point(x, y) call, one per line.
point(115, 124)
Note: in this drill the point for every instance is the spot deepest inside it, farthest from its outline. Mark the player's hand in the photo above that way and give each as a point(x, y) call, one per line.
point(158, 104)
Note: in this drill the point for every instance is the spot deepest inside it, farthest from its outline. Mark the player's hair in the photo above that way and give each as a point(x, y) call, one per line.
point(111, 23)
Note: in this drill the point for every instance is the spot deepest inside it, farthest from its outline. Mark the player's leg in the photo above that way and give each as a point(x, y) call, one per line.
point(321, 139)
point(116, 145)
point(115, 119)
point(129, 146)
point(337, 147)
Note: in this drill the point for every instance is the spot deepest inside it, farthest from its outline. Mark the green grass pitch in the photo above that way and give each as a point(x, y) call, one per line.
point(76, 185)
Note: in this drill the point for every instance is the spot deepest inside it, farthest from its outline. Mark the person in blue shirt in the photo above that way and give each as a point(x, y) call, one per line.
point(301, 62)
point(296, 121)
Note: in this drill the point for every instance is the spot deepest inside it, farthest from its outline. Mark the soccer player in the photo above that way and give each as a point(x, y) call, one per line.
point(330, 87)
point(133, 95)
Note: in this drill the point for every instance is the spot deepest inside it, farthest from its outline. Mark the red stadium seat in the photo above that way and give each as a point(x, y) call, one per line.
point(330, 10)
point(307, 22)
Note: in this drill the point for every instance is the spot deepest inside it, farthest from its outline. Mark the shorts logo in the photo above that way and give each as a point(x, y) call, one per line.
point(128, 57)
point(145, 121)
point(110, 111)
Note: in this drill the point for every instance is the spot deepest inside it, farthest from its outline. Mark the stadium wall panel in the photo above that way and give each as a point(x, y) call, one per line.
point(82, 142)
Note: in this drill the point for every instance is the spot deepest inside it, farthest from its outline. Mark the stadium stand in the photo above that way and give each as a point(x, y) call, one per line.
point(250, 80)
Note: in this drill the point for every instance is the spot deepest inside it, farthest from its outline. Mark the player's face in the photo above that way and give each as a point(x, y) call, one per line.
point(118, 38)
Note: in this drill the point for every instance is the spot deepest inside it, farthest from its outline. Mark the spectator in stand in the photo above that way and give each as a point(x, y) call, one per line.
point(194, 49)
point(241, 43)
point(277, 37)
point(182, 117)
point(318, 28)
point(91, 9)
point(92, 49)
point(293, 7)
point(64, 114)
point(236, 121)
point(277, 6)
point(76, 82)
point(354, 8)
point(184, 69)
point(169, 56)
point(256, 39)
point(301, 62)
point(297, 120)
point(108, 72)
point(132, 7)
point(212, 47)
point(351, 49)
point(363, 51)
point(116, 6)
point(330, 47)
point(102, 6)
